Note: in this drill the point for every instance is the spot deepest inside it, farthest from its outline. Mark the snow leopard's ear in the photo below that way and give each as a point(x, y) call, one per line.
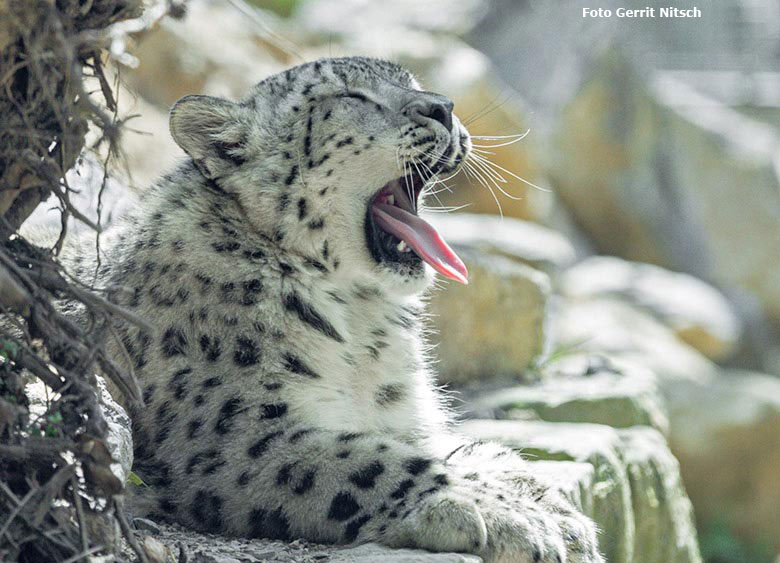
point(212, 131)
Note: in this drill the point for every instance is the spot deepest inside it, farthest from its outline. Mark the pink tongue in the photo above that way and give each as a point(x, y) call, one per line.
point(422, 238)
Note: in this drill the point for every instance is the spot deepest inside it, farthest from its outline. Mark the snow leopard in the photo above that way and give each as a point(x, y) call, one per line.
point(287, 387)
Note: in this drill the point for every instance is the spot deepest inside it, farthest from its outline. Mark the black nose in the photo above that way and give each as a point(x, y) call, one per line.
point(441, 112)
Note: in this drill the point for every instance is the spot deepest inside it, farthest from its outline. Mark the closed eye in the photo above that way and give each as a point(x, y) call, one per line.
point(355, 95)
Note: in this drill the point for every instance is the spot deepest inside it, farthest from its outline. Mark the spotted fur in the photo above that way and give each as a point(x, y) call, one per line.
point(287, 393)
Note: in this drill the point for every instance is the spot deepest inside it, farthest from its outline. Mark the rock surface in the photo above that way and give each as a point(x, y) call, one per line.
point(699, 314)
point(636, 496)
point(207, 548)
point(495, 331)
point(667, 168)
point(728, 444)
point(518, 240)
point(583, 388)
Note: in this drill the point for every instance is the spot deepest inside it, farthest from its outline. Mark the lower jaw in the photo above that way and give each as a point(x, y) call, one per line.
point(407, 264)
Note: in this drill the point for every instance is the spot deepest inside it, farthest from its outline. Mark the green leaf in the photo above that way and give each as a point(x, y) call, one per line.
point(134, 479)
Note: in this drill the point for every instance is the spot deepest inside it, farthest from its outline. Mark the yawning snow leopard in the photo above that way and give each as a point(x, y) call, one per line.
point(286, 386)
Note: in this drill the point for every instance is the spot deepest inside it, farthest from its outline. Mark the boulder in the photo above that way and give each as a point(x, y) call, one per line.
point(195, 60)
point(698, 313)
point(518, 240)
point(492, 327)
point(723, 424)
point(581, 388)
point(685, 180)
point(628, 335)
point(208, 548)
point(636, 496)
point(728, 444)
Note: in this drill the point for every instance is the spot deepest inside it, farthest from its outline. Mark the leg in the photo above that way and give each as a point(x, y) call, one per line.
point(323, 486)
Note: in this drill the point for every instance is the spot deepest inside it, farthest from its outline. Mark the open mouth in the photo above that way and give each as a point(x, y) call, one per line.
point(396, 235)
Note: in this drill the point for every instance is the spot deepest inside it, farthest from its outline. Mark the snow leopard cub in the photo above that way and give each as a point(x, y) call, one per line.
point(286, 388)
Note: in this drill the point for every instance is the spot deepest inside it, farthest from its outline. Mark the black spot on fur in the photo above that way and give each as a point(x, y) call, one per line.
point(316, 224)
point(251, 289)
point(178, 383)
point(292, 175)
point(300, 482)
point(345, 437)
point(273, 410)
point(294, 364)
point(211, 382)
point(193, 426)
point(365, 477)
point(199, 458)
point(243, 479)
point(271, 525)
point(174, 342)
point(402, 489)
point(310, 316)
point(344, 142)
point(164, 421)
point(232, 152)
point(284, 201)
point(258, 448)
point(315, 264)
point(227, 413)
point(247, 352)
point(255, 254)
point(389, 394)
point(226, 246)
point(305, 483)
point(417, 465)
point(148, 392)
point(211, 347)
point(206, 510)
point(344, 454)
point(441, 479)
point(353, 528)
point(299, 434)
point(342, 507)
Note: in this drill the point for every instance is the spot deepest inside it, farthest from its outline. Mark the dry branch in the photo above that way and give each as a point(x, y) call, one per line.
point(45, 112)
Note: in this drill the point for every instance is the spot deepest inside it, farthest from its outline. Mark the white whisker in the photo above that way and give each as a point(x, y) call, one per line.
point(491, 163)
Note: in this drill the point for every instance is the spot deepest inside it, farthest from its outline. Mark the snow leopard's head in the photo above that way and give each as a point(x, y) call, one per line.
point(331, 159)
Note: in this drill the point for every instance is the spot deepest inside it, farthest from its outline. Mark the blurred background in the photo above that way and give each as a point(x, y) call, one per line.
point(624, 316)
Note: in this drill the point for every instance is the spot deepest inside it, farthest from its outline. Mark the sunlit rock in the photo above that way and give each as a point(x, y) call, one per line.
point(495, 325)
point(521, 241)
point(697, 312)
point(636, 496)
point(581, 388)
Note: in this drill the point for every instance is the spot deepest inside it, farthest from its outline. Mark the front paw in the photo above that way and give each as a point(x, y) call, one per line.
point(497, 528)
point(441, 522)
point(534, 533)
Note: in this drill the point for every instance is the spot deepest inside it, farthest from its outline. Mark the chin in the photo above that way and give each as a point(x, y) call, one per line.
point(405, 283)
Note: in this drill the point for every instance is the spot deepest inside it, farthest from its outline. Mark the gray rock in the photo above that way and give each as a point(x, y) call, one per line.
point(698, 313)
point(120, 434)
point(518, 240)
point(728, 444)
point(636, 496)
point(667, 168)
point(206, 548)
point(495, 325)
point(146, 525)
point(371, 552)
point(583, 388)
